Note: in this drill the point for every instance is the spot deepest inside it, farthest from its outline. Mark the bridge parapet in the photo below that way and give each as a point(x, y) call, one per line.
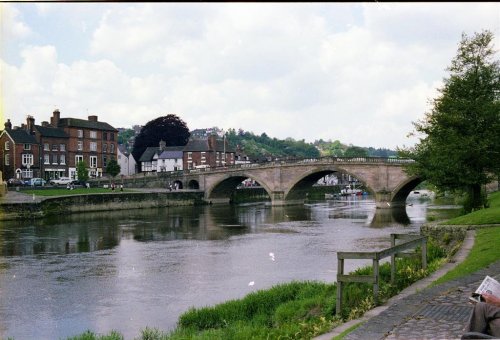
point(287, 180)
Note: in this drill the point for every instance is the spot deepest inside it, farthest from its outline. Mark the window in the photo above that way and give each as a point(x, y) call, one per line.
point(54, 147)
point(190, 155)
point(105, 136)
point(111, 136)
point(80, 133)
point(80, 145)
point(112, 148)
point(27, 173)
point(104, 147)
point(46, 147)
point(54, 158)
point(62, 159)
point(46, 159)
point(7, 145)
point(7, 159)
point(104, 161)
point(93, 134)
point(27, 159)
point(93, 146)
point(27, 146)
point(62, 147)
point(93, 161)
point(78, 159)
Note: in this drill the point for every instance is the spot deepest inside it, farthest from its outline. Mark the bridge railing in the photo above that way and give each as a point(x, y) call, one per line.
point(279, 161)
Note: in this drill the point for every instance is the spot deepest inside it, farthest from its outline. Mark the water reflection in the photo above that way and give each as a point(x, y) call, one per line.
point(130, 269)
point(90, 232)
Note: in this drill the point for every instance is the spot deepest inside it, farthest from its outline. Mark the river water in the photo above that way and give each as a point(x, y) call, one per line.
point(127, 270)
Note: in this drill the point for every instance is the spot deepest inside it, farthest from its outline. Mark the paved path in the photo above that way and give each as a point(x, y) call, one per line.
point(439, 312)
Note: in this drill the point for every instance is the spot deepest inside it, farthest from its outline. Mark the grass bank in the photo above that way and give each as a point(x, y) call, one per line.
point(295, 310)
point(484, 250)
point(490, 215)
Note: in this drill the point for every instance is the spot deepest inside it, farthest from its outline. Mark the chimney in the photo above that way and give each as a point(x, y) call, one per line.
point(30, 124)
point(163, 145)
point(8, 125)
point(45, 124)
point(54, 120)
point(92, 118)
point(212, 142)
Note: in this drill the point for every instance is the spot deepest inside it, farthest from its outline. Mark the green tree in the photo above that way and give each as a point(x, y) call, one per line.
point(81, 171)
point(113, 168)
point(460, 147)
point(169, 128)
point(355, 151)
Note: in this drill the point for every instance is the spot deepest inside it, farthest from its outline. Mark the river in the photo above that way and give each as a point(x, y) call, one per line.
point(126, 270)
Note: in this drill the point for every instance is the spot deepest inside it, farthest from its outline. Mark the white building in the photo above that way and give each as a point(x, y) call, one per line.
point(168, 160)
point(126, 161)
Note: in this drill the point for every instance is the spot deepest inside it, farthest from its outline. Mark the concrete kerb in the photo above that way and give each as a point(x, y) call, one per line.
point(415, 288)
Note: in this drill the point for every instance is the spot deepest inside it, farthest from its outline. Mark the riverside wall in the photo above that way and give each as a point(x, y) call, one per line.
point(63, 205)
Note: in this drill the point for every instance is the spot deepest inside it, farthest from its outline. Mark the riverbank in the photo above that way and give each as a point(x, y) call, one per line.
point(16, 205)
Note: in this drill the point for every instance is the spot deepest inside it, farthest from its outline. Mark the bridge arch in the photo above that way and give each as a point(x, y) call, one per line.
point(402, 191)
point(193, 184)
point(305, 181)
point(225, 186)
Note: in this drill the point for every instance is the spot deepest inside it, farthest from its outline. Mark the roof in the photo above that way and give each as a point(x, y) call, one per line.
point(21, 136)
point(150, 152)
point(74, 122)
point(123, 149)
point(51, 132)
point(198, 144)
point(170, 155)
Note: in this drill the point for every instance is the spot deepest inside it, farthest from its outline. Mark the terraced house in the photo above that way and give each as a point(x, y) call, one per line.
point(53, 150)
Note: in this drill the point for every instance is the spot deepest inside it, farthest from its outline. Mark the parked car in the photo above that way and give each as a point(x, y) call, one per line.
point(15, 182)
point(61, 181)
point(36, 182)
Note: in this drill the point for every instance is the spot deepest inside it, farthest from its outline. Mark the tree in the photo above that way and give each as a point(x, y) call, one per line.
point(169, 128)
point(113, 168)
point(461, 134)
point(355, 151)
point(81, 171)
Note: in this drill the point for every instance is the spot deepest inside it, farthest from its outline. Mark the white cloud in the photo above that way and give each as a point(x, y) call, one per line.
point(358, 73)
point(12, 24)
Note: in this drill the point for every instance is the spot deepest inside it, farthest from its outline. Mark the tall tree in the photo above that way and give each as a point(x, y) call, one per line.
point(113, 168)
point(82, 172)
point(460, 146)
point(169, 128)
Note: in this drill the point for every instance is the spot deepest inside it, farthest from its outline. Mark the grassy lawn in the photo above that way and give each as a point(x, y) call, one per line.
point(490, 215)
point(485, 250)
point(66, 192)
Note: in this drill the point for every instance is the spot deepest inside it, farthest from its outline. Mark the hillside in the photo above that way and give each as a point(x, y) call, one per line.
point(262, 147)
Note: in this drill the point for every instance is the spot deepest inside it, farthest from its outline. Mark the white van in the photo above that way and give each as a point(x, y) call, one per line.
point(61, 181)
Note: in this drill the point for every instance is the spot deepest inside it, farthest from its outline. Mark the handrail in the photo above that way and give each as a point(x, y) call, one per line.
point(410, 241)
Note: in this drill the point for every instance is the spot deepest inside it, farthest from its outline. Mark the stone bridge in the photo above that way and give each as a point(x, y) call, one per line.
point(287, 182)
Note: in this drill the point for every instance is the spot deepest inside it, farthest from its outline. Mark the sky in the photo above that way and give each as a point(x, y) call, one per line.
point(360, 73)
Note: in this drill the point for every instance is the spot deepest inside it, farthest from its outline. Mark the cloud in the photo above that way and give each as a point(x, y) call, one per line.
point(13, 26)
point(358, 73)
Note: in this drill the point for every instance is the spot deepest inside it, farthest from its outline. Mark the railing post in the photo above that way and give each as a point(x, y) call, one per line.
point(340, 271)
point(375, 284)
point(393, 260)
point(424, 253)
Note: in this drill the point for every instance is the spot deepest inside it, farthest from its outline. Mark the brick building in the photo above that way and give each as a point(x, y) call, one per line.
point(19, 151)
point(210, 152)
point(52, 150)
